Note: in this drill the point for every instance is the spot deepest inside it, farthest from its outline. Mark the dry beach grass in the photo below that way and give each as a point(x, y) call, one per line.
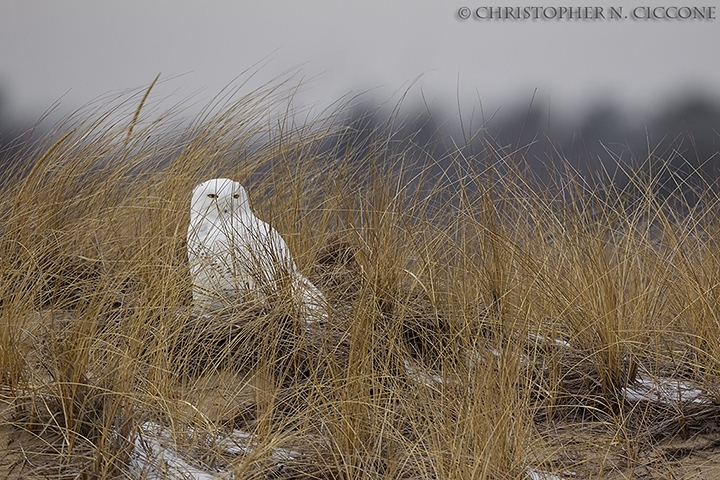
point(484, 324)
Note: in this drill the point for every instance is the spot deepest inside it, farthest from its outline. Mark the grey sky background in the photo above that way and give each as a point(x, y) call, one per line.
point(76, 50)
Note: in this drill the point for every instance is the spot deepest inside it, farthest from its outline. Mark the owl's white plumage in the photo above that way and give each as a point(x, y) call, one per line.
point(234, 256)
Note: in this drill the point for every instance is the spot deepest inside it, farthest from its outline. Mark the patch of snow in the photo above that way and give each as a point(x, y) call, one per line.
point(539, 475)
point(243, 443)
point(155, 457)
point(663, 390)
point(422, 375)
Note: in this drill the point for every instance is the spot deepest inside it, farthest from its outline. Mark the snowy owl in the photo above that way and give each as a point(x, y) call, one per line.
point(235, 256)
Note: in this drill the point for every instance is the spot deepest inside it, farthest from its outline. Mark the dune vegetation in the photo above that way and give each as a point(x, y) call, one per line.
point(486, 322)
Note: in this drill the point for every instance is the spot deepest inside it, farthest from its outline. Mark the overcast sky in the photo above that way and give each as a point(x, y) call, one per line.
point(76, 50)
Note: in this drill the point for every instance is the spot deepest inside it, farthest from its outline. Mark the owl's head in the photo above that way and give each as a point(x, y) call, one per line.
point(219, 196)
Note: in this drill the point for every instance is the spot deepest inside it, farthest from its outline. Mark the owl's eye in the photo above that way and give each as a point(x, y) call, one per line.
point(237, 195)
point(212, 195)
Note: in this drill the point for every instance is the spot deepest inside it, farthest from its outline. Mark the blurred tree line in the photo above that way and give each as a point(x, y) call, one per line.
point(677, 145)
